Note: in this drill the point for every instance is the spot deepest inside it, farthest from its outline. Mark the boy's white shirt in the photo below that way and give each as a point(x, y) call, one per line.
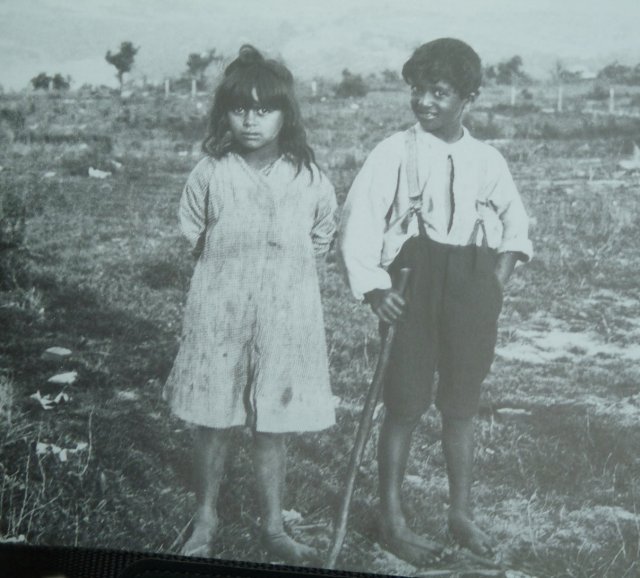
point(372, 231)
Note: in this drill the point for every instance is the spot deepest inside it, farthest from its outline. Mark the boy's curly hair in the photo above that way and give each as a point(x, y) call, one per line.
point(273, 84)
point(445, 59)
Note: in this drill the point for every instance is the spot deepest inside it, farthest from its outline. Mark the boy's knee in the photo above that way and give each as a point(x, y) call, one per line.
point(402, 419)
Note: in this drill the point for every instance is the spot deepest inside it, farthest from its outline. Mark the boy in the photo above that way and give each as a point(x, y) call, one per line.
point(436, 200)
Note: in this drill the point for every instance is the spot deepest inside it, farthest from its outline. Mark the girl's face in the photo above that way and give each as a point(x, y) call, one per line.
point(438, 107)
point(256, 129)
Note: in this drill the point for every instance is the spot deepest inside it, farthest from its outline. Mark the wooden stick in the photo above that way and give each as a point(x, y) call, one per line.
point(364, 428)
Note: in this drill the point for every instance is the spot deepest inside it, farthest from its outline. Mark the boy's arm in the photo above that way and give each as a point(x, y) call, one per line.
point(387, 304)
point(363, 222)
point(505, 265)
point(504, 197)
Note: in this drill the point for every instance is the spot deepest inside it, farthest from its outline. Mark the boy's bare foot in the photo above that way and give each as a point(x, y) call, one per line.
point(201, 540)
point(411, 547)
point(469, 535)
point(281, 546)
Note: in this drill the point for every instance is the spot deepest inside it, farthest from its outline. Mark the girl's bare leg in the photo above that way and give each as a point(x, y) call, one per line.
point(457, 443)
point(211, 447)
point(270, 466)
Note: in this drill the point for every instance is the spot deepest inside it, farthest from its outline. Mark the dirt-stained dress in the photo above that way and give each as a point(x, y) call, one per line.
point(253, 348)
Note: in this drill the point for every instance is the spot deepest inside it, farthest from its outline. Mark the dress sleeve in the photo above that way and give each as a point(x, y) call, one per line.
point(194, 202)
point(505, 199)
point(324, 226)
point(363, 223)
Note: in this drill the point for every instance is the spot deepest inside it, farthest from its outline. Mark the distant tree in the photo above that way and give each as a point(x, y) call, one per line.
point(60, 82)
point(123, 59)
point(620, 74)
point(42, 81)
point(489, 73)
point(351, 85)
point(390, 76)
point(561, 74)
point(507, 72)
point(197, 64)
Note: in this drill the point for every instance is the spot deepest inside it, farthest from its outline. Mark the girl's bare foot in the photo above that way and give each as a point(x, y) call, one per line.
point(281, 546)
point(469, 535)
point(411, 547)
point(201, 539)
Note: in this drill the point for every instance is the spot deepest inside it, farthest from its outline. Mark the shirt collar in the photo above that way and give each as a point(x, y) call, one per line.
point(435, 142)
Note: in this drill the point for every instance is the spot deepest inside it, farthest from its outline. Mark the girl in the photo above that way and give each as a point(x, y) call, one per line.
point(256, 209)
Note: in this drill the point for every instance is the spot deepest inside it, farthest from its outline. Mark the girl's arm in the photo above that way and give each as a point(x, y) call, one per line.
point(324, 225)
point(194, 202)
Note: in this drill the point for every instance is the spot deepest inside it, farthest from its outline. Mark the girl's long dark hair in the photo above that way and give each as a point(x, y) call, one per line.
point(273, 83)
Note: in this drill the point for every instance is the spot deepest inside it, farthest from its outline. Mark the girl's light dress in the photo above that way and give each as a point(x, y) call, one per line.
point(253, 348)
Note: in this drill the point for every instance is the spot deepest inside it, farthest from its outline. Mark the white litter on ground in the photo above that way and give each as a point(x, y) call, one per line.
point(61, 453)
point(98, 174)
point(64, 378)
point(49, 402)
point(56, 353)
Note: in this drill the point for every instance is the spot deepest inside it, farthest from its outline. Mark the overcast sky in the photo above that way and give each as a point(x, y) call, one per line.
point(315, 37)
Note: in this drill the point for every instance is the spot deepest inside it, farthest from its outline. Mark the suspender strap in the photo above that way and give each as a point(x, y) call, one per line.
point(415, 193)
point(478, 227)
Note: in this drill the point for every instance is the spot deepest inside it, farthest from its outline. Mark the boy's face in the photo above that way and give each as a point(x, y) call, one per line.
point(438, 108)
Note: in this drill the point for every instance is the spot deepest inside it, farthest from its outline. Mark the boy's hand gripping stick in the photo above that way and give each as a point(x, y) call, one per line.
point(364, 428)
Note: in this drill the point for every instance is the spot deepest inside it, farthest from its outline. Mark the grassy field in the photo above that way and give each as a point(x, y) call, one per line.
point(97, 265)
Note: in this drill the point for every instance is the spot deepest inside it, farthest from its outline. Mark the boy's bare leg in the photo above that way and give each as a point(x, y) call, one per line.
point(458, 442)
point(393, 452)
point(211, 447)
point(270, 466)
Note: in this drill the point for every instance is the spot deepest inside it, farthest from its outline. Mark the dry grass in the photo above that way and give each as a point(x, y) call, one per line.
point(101, 270)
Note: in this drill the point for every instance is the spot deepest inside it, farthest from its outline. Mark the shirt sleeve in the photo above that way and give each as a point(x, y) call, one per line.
point(324, 226)
point(505, 199)
point(363, 221)
point(193, 211)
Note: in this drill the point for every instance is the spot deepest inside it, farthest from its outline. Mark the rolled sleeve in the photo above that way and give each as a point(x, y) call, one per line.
point(363, 223)
point(505, 198)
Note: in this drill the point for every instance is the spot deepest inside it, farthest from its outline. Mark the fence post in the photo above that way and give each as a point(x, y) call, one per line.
point(560, 95)
point(167, 87)
point(612, 100)
point(194, 87)
point(513, 95)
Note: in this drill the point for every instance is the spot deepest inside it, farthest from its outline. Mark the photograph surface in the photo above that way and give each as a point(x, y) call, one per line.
point(201, 204)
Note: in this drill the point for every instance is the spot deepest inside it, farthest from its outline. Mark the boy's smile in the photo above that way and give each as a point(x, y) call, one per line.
point(438, 108)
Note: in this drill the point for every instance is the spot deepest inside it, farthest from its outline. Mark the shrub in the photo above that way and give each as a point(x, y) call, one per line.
point(599, 92)
point(41, 82)
point(60, 82)
point(12, 219)
point(351, 85)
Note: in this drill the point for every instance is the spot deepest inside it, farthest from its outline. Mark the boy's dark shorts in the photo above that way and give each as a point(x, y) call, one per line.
point(454, 300)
